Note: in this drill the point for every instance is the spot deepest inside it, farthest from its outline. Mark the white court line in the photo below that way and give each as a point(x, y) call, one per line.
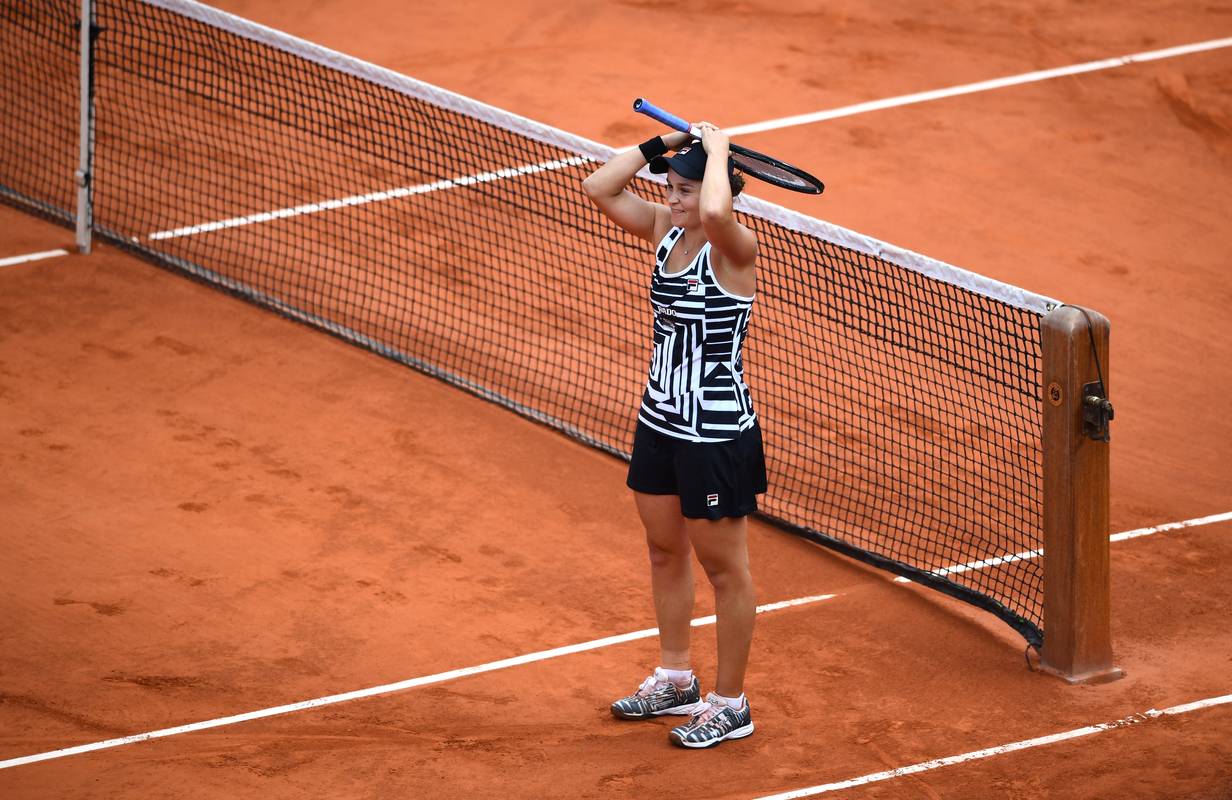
point(364, 199)
point(1171, 526)
point(1133, 719)
point(14, 260)
point(955, 569)
point(982, 86)
point(388, 688)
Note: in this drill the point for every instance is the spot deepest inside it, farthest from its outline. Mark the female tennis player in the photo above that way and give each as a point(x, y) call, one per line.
point(697, 464)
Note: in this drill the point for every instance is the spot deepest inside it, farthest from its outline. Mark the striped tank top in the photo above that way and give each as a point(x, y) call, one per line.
point(696, 389)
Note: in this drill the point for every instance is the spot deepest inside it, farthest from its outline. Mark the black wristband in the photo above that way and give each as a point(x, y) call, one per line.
point(652, 147)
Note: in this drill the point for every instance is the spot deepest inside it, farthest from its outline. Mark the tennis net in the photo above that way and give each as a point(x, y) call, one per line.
point(899, 396)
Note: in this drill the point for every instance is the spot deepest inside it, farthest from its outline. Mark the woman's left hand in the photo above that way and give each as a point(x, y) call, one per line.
point(713, 139)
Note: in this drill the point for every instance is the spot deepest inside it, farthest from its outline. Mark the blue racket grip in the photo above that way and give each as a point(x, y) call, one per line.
point(644, 106)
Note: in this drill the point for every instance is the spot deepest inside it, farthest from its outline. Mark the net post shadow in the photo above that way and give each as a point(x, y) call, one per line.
point(1077, 628)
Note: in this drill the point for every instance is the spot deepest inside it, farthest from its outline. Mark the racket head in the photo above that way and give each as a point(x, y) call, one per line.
point(777, 173)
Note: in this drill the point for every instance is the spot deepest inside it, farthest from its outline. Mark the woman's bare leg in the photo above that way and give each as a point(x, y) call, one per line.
point(671, 574)
point(722, 549)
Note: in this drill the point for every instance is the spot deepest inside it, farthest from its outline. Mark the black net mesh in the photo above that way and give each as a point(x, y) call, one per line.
point(39, 104)
point(901, 414)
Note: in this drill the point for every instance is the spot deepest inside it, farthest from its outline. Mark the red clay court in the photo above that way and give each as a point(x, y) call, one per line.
point(314, 572)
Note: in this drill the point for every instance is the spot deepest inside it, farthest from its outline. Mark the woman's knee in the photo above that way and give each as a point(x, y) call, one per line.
point(667, 550)
point(723, 553)
point(725, 575)
point(666, 539)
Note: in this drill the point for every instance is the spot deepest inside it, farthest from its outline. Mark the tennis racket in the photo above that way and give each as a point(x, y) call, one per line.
point(750, 162)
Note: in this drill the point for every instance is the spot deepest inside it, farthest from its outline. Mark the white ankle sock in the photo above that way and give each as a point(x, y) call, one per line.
point(734, 703)
point(680, 677)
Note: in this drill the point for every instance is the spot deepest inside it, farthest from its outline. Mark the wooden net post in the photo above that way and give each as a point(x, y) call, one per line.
point(1077, 628)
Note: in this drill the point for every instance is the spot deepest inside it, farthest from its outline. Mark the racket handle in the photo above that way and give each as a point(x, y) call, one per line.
point(643, 106)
